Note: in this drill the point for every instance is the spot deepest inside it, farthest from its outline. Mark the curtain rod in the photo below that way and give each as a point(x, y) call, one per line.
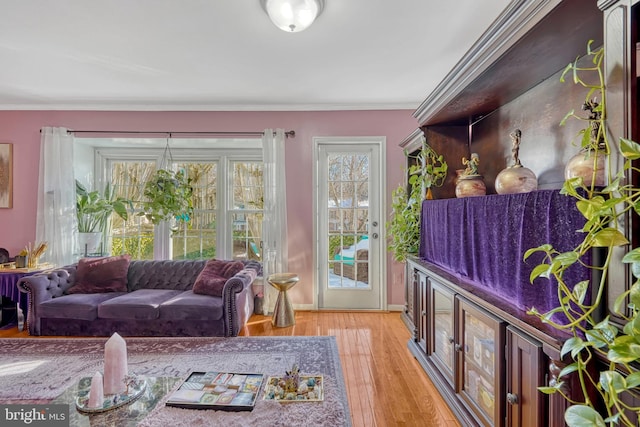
point(288, 134)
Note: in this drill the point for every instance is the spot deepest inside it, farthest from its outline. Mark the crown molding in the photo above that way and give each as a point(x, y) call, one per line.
point(206, 107)
point(514, 22)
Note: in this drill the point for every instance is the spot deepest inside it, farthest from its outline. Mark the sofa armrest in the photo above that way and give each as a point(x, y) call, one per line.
point(238, 300)
point(42, 287)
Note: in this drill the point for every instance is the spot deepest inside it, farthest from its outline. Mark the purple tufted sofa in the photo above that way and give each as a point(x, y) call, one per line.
point(159, 302)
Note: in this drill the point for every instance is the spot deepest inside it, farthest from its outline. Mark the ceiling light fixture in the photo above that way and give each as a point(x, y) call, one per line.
point(293, 15)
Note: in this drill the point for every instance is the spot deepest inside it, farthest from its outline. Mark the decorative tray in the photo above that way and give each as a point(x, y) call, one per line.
point(136, 387)
point(217, 390)
point(310, 389)
point(10, 267)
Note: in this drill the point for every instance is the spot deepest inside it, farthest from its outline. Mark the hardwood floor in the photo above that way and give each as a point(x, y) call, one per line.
point(385, 385)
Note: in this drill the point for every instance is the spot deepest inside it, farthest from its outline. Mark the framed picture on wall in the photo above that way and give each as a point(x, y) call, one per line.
point(6, 175)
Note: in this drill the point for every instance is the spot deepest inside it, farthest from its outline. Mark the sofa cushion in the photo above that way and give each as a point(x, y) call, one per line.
point(191, 306)
point(76, 306)
point(214, 275)
point(140, 305)
point(97, 275)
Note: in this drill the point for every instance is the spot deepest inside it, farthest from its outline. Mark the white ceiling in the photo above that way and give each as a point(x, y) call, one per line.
point(227, 55)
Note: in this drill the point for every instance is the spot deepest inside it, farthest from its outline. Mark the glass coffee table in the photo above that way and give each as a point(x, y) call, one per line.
point(125, 416)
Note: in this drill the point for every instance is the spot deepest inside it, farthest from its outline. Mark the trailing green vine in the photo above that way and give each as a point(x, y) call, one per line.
point(593, 338)
point(403, 229)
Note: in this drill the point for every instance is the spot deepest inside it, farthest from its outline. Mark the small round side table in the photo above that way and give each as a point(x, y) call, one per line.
point(283, 314)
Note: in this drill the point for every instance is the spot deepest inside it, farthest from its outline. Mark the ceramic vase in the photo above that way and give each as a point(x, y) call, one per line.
point(583, 165)
point(469, 186)
point(516, 179)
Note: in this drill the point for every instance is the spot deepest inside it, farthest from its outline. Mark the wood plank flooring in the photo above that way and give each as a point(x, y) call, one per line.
point(385, 385)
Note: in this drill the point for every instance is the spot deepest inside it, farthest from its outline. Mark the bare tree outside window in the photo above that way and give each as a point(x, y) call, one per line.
point(348, 199)
point(197, 239)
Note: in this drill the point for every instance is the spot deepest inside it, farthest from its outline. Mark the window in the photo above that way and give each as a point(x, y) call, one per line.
point(227, 198)
point(247, 206)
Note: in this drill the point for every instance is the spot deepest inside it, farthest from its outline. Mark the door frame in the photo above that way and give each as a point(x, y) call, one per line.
point(381, 142)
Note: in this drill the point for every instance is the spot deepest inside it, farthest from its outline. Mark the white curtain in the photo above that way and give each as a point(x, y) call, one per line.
point(56, 217)
point(274, 224)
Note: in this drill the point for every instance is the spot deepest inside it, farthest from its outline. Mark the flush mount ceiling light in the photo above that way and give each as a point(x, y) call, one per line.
point(293, 15)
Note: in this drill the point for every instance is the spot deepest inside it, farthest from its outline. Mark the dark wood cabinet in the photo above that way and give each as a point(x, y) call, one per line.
point(621, 43)
point(524, 364)
point(510, 79)
point(486, 363)
point(409, 311)
point(422, 311)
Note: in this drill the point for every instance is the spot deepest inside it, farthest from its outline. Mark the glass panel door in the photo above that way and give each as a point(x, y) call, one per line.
point(481, 355)
point(349, 225)
point(442, 321)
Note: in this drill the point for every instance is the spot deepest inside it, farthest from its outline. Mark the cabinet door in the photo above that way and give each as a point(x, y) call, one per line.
point(409, 314)
point(479, 356)
point(525, 373)
point(423, 309)
point(441, 318)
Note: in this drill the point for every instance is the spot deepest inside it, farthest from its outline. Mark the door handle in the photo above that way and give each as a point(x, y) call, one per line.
point(512, 398)
point(374, 235)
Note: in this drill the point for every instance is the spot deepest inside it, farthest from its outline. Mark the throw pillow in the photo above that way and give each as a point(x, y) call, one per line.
point(214, 275)
point(99, 275)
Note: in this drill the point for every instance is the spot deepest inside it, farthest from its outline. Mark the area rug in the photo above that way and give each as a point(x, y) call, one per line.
point(37, 370)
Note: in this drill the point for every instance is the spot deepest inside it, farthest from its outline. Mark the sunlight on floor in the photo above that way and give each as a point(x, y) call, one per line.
point(20, 367)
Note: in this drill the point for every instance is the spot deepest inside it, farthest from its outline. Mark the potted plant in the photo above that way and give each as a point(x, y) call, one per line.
point(93, 211)
point(615, 351)
point(403, 229)
point(168, 196)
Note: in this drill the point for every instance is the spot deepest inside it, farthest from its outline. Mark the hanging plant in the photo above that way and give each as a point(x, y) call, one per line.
point(168, 196)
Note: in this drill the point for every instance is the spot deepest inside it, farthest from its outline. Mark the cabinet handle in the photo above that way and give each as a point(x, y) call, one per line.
point(458, 347)
point(512, 398)
point(424, 313)
point(450, 340)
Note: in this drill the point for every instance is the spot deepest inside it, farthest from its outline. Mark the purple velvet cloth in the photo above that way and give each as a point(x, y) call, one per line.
point(9, 288)
point(482, 240)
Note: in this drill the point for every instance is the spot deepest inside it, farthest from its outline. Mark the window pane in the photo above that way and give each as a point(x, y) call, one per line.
point(134, 236)
point(197, 239)
point(247, 204)
point(247, 233)
point(248, 186)
point(235, 220)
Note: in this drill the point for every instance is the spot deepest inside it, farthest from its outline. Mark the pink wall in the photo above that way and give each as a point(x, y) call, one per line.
point(22, 128)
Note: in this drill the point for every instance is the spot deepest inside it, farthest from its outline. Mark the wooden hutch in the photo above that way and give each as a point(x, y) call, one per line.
point(480, 348)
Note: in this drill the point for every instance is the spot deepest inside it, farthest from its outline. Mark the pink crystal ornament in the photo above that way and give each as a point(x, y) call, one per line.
point(115, 365)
